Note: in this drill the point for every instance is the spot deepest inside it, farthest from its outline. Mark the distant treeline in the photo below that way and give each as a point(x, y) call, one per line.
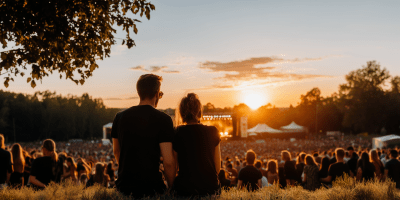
point(50, 115)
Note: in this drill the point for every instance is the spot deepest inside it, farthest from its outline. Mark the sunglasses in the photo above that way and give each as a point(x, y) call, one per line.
point(160, 94)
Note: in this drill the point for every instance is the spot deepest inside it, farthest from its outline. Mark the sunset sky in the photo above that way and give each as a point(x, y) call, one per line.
point(227, 50)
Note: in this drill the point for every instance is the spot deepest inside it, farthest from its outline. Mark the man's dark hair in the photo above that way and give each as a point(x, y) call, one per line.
point(258, 164)
point(250, 157)
point(350, 148)
point(148, 86)
point(394, 153)
point(229, 166)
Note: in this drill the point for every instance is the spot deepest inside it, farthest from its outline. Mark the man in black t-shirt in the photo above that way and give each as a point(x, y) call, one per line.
point(6, 167)
point(392, 168)
point(249, 176)
point(337, 169)
point(141, 134)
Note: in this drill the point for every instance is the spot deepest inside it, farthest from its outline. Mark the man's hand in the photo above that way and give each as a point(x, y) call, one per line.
point(169, 162)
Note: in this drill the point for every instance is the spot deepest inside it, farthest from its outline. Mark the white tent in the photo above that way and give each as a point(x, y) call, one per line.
point(263, 128)
point(293, 127)
point(383, 141)
point(109, 125)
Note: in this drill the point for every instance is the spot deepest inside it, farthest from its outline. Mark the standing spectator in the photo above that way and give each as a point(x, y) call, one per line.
point(289, 168)
point(72, 169)
point(197, 149)
point(141, 134)
point(272, 172)
point(44, 168)
point(17, 177)
point(379, 168)
point(365, 169)
point(249, 176)
point(311, 179)
point(352, 163)
point(6, 167)
point(300, 166)
point(337, 169)
point(392, 168)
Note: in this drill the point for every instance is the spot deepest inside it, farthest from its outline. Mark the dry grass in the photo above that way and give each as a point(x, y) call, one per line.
point(344, 188)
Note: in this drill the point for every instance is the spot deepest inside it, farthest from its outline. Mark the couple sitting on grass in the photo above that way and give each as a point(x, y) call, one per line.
point(141, 134)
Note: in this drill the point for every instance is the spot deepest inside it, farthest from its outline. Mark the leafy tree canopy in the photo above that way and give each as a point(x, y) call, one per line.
point(66, 36)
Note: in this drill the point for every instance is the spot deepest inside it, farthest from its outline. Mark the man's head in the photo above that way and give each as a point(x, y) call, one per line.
point(394, 154)
point(1, 141)
point(258, 164)
point(350, 149)
point(250, 157)
point(148, 87)
point(229, 166)
point(339, 153)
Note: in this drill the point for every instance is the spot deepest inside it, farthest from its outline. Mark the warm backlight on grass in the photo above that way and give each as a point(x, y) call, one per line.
point(254, 100)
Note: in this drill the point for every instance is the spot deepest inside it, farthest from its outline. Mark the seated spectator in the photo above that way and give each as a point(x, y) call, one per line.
point(289, 168)
point(17, 177)
point(6, 167)
point(232, 173)
point(323, 170)
point(111, 173)
point(365, 169)
point(337, 169)
point(27, 167)
point(225, 183)
point(379, 168)
point(100, 177)
point(392, 168)
point(249, 176)
point(352, 163)
point(311, 179)
point(264, 179)
point(72, 169)
point(272, 172)
point(44, 168)
point(300, 166)
point(197, 148)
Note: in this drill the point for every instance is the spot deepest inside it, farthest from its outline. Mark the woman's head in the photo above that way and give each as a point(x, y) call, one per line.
point(365, 157)
point(310, 160)
point(272, 165)
point(190, 108)
point(109, 166)
point(286, 155)
point(374, 157)
point(18, 154)
point(71, 162)
point(325, 163)
point(49, 149)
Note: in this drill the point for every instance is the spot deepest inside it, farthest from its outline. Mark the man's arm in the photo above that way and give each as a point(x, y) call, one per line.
point(116, 149)
point(240, 183)
point(217, 158)
point(34, 181)
point(259, 183)
point(327, 179)
point(169, 162)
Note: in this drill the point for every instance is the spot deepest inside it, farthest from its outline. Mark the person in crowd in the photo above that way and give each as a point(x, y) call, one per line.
point(249, 176)
point(82, 167)
point(83, 180)
point(352, 163)
point(365, 169)
point(233, 173)
point(333, 159)
point(323, 169)
point(300, 166)
point(392, 168)
point(310, 178)
point(337, 169)
point(27, 167)
point(100, 177)
point(379, 168)
point(6, 167)
point(289, 168)
point(225, 183)
point(72, 169)
point(44, 168)
point(238, 166)
point(317, 158)
point(197, 149)
point(144, 133)
point(272, 172)
point(111, 173)
point(264, 179)
point(17, 177)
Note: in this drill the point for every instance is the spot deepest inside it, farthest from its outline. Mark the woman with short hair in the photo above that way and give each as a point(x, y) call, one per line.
point(17, 177)
point(197, 149)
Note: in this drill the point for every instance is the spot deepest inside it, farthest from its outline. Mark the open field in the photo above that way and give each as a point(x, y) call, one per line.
point(345, 188)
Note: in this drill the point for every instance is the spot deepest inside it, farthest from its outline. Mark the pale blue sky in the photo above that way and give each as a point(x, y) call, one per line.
point(340, 36)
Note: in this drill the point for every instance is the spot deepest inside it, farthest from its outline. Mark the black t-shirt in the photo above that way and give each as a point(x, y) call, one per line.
point(250, 175)
point(43, 169)
point(393, 167)
point(368, 172)
point(140, 130)
point(338, 169)
point(352, 163)
point(5, 165)
point(195, 146)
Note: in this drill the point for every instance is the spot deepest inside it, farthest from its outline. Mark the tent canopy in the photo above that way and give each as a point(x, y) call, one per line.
point(380, 142)
point(263, 128)
point(293, 127)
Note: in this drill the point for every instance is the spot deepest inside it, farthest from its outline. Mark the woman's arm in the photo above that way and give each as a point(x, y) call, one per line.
point(217, 158)
point(34, 181)
point(305, 178)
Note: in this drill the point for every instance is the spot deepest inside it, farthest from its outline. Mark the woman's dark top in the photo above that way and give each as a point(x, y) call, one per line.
point(323, 173)
point(290, 170)
point(281, 174)
point(222, 179)
point(16, 179)
point(368, 172)
point(43, 169)
point(111, 173)
point(195, 145)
